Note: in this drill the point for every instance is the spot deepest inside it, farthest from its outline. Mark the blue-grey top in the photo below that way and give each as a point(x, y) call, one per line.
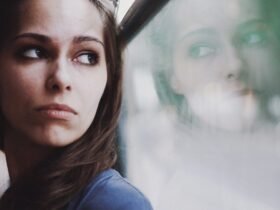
point(110, 191)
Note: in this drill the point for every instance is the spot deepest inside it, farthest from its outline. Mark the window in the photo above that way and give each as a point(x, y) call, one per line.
point(202, 101)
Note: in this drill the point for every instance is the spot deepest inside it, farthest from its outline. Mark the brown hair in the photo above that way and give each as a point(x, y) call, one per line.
point(55, 181)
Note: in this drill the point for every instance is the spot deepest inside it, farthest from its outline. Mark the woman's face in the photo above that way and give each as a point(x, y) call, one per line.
point(53, 71)
point(226, 61)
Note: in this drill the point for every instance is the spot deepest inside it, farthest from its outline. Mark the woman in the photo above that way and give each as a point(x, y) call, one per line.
point(218, 62)
point(60, 92)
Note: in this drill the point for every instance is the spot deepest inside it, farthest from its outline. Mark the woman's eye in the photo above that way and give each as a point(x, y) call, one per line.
point(33, 53)
point(87, 58)
point(200, 51)
point(253, 38)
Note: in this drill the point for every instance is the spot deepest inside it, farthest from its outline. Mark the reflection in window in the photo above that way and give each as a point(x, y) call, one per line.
point(209, 138)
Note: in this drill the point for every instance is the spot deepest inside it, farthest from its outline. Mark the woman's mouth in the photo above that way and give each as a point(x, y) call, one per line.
point(57, 111)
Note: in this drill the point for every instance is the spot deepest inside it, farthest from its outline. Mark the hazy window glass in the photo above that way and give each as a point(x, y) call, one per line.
point(202, 106)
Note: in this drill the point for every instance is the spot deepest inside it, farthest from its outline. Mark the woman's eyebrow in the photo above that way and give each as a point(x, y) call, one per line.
point(197, 32)
point(79, 39)
point(251, 23)
point(38, 37)
point(46, 39)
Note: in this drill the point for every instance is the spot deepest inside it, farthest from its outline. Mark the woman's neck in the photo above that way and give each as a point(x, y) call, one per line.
point(22, 154)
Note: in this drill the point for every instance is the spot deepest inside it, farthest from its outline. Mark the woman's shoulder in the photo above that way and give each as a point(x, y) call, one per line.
point(110, 191)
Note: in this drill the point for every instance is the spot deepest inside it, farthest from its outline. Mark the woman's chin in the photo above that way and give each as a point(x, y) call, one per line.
point(226, 113)
point(54, 137)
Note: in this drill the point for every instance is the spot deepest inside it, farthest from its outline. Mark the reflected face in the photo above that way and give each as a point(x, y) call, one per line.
point(226, 61)
point(53, 71)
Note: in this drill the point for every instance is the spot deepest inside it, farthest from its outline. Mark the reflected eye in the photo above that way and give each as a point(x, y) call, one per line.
point(87, 58)
point(200, 51)
point(254, 38)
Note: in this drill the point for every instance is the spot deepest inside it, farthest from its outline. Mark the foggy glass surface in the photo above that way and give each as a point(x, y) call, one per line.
point(202, 106)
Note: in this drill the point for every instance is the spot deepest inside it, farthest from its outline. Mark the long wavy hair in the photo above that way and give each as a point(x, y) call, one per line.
point(55, 181)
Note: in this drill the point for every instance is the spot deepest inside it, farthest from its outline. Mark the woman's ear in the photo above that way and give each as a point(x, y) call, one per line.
point(175, 85)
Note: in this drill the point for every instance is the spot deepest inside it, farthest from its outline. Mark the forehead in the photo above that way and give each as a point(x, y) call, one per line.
point(215, 13)
point(59, 17)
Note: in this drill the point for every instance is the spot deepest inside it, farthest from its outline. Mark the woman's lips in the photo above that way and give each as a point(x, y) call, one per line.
point(248, 92)
point(245, 92)
point(57, 111)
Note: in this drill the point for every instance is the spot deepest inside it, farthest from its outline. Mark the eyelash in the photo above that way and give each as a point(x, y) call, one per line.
point(252, 39)
point(260, 38)
point(201, 50)
point(37, 52)
point(40, 53)
point(90, 55)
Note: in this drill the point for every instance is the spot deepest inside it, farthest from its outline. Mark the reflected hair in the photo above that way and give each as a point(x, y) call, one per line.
point(162, 30)
point(56, 180)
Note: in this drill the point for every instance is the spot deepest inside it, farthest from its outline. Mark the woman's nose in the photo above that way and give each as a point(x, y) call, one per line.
point(234, 63)
point(59, 78)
